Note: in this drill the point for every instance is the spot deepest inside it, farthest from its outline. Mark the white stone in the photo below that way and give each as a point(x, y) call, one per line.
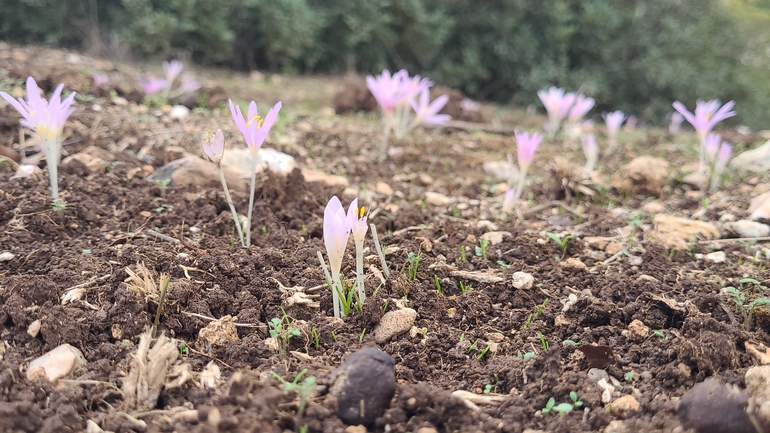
point(58, 363)
point(34, 328)
point(760, 207)
point(117, 100)
point(394, 323)
point(756, 160)
point(494, 238)
point(238, 161)
point(6, 256)
point(717, 257)
point(437, 199)
point(179, 112)
point(522, 280)
point(749, 229)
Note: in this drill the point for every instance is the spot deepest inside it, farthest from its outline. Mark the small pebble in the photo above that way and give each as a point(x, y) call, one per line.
point(623, 406)
point(6, 256)
point(394, 323)
point(716, 257)
point(522, 280)
point(596, 374)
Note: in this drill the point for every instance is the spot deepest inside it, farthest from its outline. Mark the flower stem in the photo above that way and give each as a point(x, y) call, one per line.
point(520, 184)
point(232, 207)
point(360, 271)
point(247, 232)
point(51, 148)
point(332, 283)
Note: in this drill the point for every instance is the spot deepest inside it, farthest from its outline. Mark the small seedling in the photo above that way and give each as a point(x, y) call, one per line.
point(481, 250)
point(303, 389)
point(462, 252)
point(483, 351)
point(488, 388)
point(574, 397)
point(334, 336)
point(628, 377)
point(464, 288)
point(412, 264)
point(536, 314)
point(561, 242)
point(503, 264)
point(438, 285)
point(183, 349)
point(282, 334)
point(544, 344)
point(314, 332)
point(361, 338)
point(164, 207)
point(473, 346)
point(571, 343)
point(746, 310)
point(661, 334)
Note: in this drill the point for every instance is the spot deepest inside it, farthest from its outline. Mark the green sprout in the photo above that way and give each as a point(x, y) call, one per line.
point(412, 264)
point(574, 397)
point(536, 314)
point(561, 242)
point(481, 250)
point(438, 284)
point(740, 300)
point(544, 344)
point(314, 332)
point(661, 334)
point(503, 264)
point(464, 288)
point(361, 338)
point(462, 252)
point(483, 351)
point(303, 389)
point(282, 334)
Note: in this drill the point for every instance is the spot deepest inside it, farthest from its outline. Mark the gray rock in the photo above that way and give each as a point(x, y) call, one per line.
point(596, 374)
point(749, 229)
point(756, 160)
point(364, 385)
point(712, 407)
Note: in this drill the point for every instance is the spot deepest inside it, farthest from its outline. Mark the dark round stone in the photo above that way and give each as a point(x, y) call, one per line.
point(364, 385)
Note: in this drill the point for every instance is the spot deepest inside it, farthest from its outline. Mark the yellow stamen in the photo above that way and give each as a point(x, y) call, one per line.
point(258, 119)
point(361, 212)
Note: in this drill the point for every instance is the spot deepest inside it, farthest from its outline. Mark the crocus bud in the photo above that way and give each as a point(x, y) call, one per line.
point(711, 146)
point(526, 145)
point(213, 146)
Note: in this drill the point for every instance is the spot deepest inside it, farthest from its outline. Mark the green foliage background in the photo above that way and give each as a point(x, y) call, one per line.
point(633, 55)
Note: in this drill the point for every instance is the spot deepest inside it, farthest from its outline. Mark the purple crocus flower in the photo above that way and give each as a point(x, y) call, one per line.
point(213, 146)
point(427, 112)
point(582, 106)
point(152, 85)
point(44, 117)
point(188, 85)
point(172, 70)
point(253, 127)
point(707, 114)
point(390, 91)
point(613, 121)
point(711, 146)
point(526, 145)
point(557, 104)
point(337, 227)
point(100, 79)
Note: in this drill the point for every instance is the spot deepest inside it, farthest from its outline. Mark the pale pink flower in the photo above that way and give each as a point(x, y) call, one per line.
point(213, 146)
point(581, 107)
point(613, 121)
point(712, 145)
point(172, 70)
point(152, 85)
point(707, 114)
point(26, 170)
point(100, 79)
point(336, 230)
point(526, 145)
point(427, 112)
point(591, 151)
point(188, 85)
point(390, 91)
point(44, 117)
point(253, 127)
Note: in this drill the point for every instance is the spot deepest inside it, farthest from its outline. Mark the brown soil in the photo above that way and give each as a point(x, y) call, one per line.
point(111, 215)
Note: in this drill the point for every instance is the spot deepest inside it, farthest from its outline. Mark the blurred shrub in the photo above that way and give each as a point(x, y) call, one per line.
point(634, 55)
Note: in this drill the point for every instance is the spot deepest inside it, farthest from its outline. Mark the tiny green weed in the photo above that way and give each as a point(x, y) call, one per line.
point(561, 242)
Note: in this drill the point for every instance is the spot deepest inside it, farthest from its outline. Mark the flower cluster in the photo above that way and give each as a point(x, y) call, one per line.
point(46, 118)
point(337, 228)
point(254, 130)
point(163, 86)
point(526, 145)
point(560, 106)
point(399, 92)
point(707, 115)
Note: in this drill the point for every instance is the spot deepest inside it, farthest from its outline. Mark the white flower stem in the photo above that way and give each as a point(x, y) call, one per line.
point(247, 232)
point(702, 154)
point(379, 250)
point(360, 271)
point(520, 184)
point(51, 148)
point(232, 207)
point(333, 283)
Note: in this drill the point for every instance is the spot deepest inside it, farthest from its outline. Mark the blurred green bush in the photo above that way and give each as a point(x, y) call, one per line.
point(633, 55)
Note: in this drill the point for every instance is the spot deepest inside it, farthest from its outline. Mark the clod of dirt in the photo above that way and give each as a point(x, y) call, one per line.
point(676, 232)
point(643, 175)
point(364, 385)
point(624, 406)
point(217, 335)
point(437, 199)
point(211, 376)
point(59, 363)
point(758, 387)
point(760, 353)
point(34, 328)
point(573, 264)
point(147, 373)
point(495, 238)
point(522, 280)
point(637, 331)
point(394, 323)
point(713, 407)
